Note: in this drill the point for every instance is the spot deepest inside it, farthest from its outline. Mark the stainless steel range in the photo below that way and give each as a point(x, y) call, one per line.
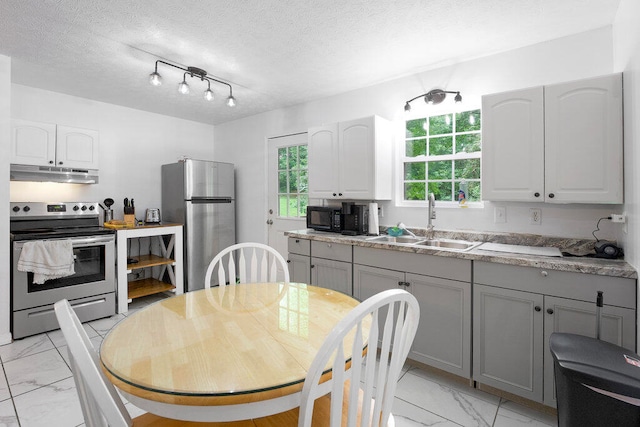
point(91, 290)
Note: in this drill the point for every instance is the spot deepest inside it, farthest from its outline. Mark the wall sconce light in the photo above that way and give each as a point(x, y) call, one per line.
point(156, 80)
point(433, 97)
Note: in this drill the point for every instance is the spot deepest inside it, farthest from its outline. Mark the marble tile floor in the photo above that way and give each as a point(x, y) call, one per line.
point(37, 389)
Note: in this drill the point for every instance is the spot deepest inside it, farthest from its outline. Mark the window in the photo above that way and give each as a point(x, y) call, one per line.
point(293, 186)
point(441, 153)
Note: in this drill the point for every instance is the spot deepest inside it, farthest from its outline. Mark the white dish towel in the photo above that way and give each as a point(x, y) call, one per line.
point(47, 259)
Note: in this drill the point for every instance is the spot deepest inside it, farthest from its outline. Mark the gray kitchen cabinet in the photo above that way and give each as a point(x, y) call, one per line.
point(331, 266)
point(517, 308)
point(443, 339)
point(560, 143)
point(299, 260)
point(507, 340)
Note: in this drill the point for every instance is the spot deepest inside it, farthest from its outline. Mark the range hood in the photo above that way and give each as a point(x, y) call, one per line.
point(53, 174)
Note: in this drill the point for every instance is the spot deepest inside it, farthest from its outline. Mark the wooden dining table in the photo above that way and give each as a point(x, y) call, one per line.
point(225, 353)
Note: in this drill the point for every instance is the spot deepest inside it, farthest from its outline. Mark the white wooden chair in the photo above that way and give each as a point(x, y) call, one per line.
point(255, 263)
point(363, 394)
point(101, 404)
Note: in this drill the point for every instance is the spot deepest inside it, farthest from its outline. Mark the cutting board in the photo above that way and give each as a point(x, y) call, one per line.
point(519, 249)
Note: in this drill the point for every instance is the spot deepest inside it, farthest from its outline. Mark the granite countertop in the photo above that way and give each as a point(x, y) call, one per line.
point(579, 247)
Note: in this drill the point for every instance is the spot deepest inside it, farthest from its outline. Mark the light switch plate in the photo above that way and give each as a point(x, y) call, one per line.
point(499, 215)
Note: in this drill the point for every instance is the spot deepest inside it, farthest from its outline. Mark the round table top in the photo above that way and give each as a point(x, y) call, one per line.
point(223, 345)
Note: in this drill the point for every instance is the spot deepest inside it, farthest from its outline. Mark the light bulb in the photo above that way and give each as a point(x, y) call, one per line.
point(231, 101)
point(407, 107)
point(183, 87)
point(208, 95)
point(458, 98)
point(155, 78)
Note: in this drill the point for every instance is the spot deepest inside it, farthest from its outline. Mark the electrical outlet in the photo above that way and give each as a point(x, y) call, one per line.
point(499, 215)
point(535, 216)
point(618, 218)
point(380, 212)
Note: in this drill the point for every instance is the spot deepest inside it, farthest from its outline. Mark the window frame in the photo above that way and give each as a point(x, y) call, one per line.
point(422, 112)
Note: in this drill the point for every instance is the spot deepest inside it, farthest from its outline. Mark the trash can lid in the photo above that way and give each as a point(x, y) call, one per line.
point(597, 363)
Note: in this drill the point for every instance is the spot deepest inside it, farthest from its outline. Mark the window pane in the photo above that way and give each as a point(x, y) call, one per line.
point(442, 190)
point(414, 171)
point(440, 170)
point(304, 202)
point(474, 192)
point(469, 143)
point(303, 185)
point(416, 128)
point(293, 205)
point(293, 181)
point(468, 169)
point(467, 121)
point(416, 147)
point(282, 182)
point(282, 158)
point(302, 157)
point(440, 146)
point(293, 157)
point(414, 191)
point(282, 205)
point(440, 124)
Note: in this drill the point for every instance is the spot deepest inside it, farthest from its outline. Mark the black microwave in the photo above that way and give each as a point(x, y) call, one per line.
point(323, 218)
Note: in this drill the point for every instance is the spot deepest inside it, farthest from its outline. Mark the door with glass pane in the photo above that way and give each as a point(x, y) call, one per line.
point(287, 187)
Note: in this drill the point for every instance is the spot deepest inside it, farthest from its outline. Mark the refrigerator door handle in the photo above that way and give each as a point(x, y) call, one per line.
point(202, 200)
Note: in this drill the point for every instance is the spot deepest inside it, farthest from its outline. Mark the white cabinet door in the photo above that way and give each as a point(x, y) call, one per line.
point(513, 146)
point(77, 148)
point(356, 158)
point(507, 340)
point(583, 134)
point(322, 162)
point(617, 326)
point(33, 143)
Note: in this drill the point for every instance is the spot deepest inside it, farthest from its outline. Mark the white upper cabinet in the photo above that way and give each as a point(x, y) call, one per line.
point(351, 160)
point(556, 144)
point(45, 144)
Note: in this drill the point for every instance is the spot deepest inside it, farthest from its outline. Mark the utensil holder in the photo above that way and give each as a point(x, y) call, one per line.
point(130, 220)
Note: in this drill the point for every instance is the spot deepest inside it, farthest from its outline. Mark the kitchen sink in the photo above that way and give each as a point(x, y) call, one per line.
point(450, 244)
point(398, 239)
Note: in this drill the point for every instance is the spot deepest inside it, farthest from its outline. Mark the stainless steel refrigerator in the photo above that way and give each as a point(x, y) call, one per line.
point(200, 195)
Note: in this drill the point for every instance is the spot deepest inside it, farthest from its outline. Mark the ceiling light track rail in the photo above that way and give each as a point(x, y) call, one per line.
point(194, 72)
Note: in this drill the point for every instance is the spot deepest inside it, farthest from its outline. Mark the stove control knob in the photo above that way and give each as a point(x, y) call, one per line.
point(75, 208)
point(26, 209)
point(84, 208)
point(16, 209)
point(91, 207)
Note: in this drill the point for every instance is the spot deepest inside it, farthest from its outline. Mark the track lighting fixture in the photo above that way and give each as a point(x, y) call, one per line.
point(433, 97)
point(156, 80)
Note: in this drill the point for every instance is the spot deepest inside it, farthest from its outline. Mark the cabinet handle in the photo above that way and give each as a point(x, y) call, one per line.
point(59, 163)
point(288, 261)
point(536, 194)
point(550, 310)
point(404, 283)
point(544, 273)
point(50, 162)
point(551, 195)
point(339, 194)
point(334, 194)
point(313, 266)
point(297, 240)
point(537, 308)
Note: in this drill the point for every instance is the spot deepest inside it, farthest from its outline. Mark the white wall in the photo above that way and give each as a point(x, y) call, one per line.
point(626, 43)
point(589, 54)
point(5, 114)
point(133, 146)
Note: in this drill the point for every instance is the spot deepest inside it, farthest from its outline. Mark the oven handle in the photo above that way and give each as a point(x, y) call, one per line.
point(79, 241)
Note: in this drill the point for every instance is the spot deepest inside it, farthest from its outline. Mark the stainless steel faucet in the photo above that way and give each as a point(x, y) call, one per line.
point(432, 215)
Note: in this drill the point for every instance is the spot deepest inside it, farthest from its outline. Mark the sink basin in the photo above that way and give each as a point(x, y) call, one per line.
point(449, 244)
point(399, 239)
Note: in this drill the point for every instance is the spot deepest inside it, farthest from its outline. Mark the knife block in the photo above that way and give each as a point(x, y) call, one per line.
point(130, 220)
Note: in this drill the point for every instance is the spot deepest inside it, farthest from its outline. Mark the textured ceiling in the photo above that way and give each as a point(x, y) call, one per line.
point(275, 53)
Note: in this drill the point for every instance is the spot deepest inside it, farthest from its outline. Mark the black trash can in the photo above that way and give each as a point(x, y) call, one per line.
point(580, 363)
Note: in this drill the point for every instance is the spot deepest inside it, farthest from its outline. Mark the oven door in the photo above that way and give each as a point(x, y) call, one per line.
point(94, 274)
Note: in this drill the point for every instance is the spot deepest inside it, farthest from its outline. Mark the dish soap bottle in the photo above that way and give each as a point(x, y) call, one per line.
point(462, 194)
